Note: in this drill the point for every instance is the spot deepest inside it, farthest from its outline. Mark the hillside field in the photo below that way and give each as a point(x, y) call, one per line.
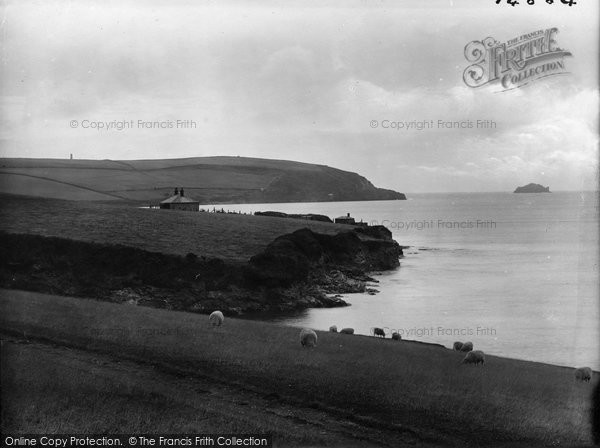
point(231, 237)
point(417, 390)
point(205, 179)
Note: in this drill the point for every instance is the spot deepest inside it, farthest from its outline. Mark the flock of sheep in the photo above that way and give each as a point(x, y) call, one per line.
point(308, 338)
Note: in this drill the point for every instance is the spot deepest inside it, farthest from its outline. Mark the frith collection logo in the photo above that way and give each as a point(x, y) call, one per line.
point(514, 63)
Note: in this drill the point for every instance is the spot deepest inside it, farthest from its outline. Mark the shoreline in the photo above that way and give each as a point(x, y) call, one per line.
point(300, 270)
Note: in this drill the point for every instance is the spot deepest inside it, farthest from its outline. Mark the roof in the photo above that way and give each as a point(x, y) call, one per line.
point(177, 199)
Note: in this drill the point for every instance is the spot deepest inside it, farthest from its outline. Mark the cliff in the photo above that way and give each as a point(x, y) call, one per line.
point(292, 258)
point(532, 188)
point(298, 270)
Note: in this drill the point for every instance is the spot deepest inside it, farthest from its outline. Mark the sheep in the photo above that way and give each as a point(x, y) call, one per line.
point(216, 318)
point(467, 347)
point(474, 357)
point(333, 329)
point(347, 330)
point(583, 374)
point(457, 346)
point(396, 336)
point(378, 332)
point(308, 338)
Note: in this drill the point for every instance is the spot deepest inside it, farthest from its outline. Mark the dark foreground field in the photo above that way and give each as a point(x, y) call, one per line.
point(408, 393)
point(103, 394)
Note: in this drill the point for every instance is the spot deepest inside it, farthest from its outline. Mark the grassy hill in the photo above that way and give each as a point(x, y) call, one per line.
point(419, 391)
point(206, 179)
point(231, 237)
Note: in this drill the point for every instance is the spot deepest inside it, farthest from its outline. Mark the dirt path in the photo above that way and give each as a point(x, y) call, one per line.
point(218, 401)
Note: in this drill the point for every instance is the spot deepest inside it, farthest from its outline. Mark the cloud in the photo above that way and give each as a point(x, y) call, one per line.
point(301, 82)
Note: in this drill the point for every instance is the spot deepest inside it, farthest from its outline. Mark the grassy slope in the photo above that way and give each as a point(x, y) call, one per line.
point(397, 384)
point(207, 179)
point(51, 389)
point(230, 237)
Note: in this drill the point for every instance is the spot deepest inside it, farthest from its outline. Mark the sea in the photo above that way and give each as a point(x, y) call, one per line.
point(516, 274)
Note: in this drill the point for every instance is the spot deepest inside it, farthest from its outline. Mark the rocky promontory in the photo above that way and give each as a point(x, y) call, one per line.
point(532, 188)
point(299, 270)
point(291, 258)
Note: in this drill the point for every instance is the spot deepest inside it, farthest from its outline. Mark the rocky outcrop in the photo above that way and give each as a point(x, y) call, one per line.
point(306, 216)
point(290, 258)
point(532, 188)
point(299, 270)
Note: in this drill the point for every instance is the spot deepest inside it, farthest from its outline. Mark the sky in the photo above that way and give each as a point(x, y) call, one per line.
point(301, 81)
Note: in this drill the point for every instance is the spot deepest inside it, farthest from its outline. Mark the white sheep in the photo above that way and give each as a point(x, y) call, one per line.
point(474, 357)
point(467, 347)
point(583, 374)
point(333, 329)
point(308, 338)
point(347, 330)
point(216, 318)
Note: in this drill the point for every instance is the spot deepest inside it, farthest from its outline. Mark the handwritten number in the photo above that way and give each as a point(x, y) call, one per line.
point(532, 2)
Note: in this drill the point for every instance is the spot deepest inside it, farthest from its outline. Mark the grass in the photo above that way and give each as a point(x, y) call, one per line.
point(382, 382)
point(207, 179)
point(225, 236)
point(84, 401)
point(138, 180)
point(57, 390)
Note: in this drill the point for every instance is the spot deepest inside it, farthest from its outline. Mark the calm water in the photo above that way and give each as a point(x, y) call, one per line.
point(517, 274)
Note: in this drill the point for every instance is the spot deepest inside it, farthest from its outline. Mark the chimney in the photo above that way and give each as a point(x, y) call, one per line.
point(176, 191)
point(181, 191)
point(348, 215)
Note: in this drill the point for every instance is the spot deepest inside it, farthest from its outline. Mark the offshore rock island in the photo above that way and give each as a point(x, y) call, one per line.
point(532, 188)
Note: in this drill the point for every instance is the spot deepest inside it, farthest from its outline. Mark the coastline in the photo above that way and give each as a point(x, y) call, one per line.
point(406, 297)
point(410, 385)
point(296, 271)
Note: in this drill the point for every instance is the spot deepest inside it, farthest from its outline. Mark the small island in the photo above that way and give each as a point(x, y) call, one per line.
point(532, 188)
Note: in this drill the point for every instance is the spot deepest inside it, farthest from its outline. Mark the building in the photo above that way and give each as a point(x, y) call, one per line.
point(345, 219)
point(180, 202)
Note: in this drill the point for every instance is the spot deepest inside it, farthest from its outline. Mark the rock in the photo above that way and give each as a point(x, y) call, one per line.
point(298, 270)
point(272, 213)
point(280, 264)
point(291, 257)
point(532, 188)
point(312, 217)
point(378, 232)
